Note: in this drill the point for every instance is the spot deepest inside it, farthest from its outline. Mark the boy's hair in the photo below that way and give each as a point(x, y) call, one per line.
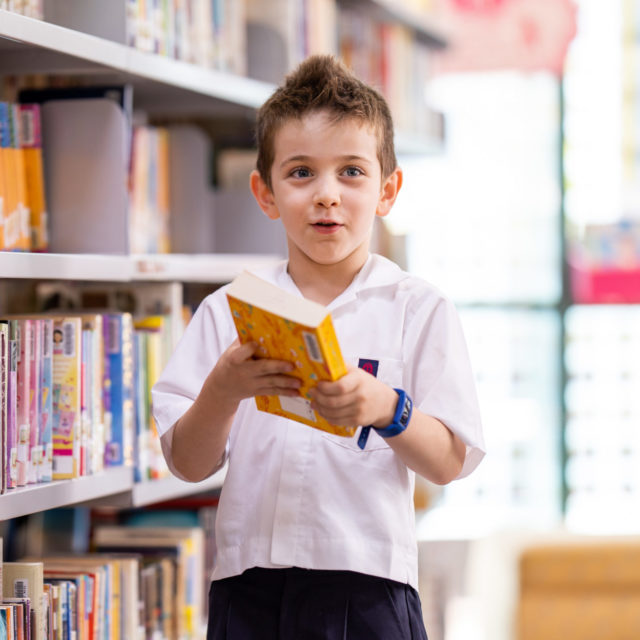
point(321, 82)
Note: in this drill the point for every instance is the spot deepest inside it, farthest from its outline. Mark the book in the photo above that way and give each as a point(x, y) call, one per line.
point(25, 580)
point(118, 389)
point(31, 143)
point(11, 470)
point(289, 327)
point(4, 393)
point(67, 365)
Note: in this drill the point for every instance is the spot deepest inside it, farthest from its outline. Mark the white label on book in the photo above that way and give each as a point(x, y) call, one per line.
point(300, 406)
point(20, 588)
point(313, 348)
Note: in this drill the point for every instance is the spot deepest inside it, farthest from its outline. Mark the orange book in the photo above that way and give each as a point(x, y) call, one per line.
point(6, 169)
point(17, 235)
point(289, 327)
point(31, 144)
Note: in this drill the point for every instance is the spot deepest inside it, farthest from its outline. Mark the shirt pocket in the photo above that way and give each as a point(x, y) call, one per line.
point(389, 372)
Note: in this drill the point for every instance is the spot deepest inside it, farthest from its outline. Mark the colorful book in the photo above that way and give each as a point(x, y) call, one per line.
point(8, 230)
point(25, 580)
point(292, 328)
point(31, 143)
point(45, 441)
point(67, 364)
point(119, 389)
point(23, 399)
point(12, 406)
point(4, 392)
point(17, 232)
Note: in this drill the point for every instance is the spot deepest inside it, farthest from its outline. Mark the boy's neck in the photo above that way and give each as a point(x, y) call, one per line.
point(324, 283)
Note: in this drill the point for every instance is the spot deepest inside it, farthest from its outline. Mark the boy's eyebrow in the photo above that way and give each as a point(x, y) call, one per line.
point(305, 158)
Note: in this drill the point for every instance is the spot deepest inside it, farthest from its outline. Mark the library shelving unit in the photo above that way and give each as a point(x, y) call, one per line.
point(165, 88)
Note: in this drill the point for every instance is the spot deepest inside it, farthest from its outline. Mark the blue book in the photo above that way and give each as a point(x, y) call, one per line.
point(119, 360)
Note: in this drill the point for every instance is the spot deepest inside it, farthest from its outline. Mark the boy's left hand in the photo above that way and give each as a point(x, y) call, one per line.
point(358, 398)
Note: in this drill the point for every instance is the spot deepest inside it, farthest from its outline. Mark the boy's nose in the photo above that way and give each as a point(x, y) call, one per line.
point(327, 193)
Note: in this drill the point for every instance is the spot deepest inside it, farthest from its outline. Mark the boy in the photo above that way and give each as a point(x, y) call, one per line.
point(315, 532)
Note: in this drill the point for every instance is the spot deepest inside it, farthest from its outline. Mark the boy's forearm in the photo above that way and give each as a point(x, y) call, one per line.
point(200, 436)
point(429, 448)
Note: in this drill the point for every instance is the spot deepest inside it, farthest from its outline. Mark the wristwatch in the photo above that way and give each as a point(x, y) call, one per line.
point(400, 418)
point(399, 423)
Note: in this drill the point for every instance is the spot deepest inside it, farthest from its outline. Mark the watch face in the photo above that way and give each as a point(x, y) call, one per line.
point(406, 411)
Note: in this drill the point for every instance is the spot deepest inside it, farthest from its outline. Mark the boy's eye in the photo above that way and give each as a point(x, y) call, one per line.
point(301, 172)
point(353, 172)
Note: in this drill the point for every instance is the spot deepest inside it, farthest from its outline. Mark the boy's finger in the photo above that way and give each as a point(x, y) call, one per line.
point(267, 367)
point(241, 352)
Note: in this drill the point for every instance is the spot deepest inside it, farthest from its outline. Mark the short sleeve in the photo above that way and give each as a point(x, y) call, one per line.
point(206, 337)
point(439, 373)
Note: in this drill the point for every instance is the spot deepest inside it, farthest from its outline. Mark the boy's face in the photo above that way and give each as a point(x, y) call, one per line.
point(327, 189)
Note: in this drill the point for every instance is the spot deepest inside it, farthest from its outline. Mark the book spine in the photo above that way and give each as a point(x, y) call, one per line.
point(4, 380)
point(25, 330)
point(46, 401)
point(66, 397)
point(31, 143)
point(19, 220)
point(12, 405)
point(35, 448)
point(8, 231)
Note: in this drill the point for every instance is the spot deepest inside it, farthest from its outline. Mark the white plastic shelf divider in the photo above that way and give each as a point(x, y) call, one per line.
point(60, 493)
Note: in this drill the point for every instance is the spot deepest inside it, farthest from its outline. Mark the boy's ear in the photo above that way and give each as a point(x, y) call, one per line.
point(263, 195)
point(389, 192)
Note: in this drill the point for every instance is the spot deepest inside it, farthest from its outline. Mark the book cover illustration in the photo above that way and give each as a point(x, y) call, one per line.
point(66, 397)
point(290, 328)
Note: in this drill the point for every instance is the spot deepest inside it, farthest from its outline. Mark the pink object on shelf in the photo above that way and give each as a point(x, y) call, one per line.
point(610, 285)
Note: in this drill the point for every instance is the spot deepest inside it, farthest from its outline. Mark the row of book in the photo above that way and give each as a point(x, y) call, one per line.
point(209, 33)
point(138, 583)
point(23, 216)
point(75, 395)
point(24, 220)
point(29, 8)
point(376, 51)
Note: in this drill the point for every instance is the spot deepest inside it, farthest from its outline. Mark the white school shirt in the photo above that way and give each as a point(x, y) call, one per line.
point(298, 496)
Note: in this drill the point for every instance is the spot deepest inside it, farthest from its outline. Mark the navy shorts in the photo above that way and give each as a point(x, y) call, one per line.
point(303, 604)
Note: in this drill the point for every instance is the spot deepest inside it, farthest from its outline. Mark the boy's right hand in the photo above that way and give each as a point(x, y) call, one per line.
point(237, 375)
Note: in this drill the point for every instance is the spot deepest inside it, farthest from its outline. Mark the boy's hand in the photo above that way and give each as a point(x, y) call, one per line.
point(358, 398)
point(237, 375)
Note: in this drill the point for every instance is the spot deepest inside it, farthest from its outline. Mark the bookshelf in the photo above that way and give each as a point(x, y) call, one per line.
point(163, 88)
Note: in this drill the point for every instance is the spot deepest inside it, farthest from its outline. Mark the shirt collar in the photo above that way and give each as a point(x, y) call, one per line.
point(376, 272)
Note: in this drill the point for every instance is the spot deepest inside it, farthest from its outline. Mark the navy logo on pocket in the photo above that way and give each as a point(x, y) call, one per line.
point(370, 366)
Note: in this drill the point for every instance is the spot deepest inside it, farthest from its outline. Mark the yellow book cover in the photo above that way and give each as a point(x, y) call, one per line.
point(67, 364)
point(31, 143)
point(289, 327)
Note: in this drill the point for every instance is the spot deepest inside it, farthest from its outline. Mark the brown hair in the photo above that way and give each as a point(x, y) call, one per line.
point(322, 82)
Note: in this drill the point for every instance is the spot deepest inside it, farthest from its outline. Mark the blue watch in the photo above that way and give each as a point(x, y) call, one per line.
point(399, 423)
point(401, 417)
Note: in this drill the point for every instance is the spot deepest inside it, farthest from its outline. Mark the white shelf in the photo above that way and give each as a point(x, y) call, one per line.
point(113, 487)
point(49, 495)
point(61, 266)
point(152, 491)
point(28, 45)
point(197, 267)
point(214, 268)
